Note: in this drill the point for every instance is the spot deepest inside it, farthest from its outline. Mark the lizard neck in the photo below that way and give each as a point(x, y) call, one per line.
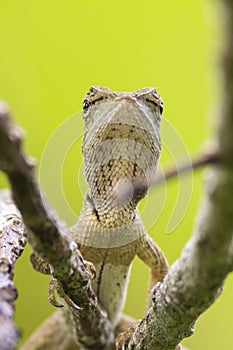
point(110, 215)
point(106, 229)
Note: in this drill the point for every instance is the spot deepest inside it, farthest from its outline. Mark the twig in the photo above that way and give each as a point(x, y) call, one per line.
point(51, 240)
point(142, 184)
point(12, 242)
point(211, 157)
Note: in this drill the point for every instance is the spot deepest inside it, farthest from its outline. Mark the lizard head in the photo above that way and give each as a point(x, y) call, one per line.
point(121, 145)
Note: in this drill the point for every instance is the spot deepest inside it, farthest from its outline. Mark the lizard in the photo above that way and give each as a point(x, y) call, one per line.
point(121, 148)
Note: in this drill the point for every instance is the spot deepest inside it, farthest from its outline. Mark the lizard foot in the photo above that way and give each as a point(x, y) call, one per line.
point(123, 338)
point(90, 269)
point(54, 285)
point(42, 266)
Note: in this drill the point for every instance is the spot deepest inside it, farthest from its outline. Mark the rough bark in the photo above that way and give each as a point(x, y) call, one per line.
point(194, 281)
point(12, 242)
point(51, 240)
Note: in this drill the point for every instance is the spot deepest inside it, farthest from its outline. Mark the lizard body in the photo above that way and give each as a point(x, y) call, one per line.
point(121, 148)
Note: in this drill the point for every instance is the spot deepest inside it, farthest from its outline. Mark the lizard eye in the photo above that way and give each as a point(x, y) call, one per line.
point(161, 109)
point(86, 105)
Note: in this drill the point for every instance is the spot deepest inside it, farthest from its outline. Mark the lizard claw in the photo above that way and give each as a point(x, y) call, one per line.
point(55, 285)
point(71, 303)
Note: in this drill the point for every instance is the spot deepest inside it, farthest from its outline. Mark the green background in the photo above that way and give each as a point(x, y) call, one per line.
point(53, 51)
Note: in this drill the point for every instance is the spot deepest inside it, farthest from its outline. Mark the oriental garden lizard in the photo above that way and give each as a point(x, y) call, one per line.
point(121, 148)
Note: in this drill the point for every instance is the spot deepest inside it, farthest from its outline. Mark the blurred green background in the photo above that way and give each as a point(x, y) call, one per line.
point(53, 51)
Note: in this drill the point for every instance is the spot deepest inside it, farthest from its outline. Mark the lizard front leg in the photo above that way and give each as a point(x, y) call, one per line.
point(151, 254)
point(43, 266)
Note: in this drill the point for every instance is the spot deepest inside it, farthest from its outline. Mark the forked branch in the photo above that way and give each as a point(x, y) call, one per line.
point(50, 239)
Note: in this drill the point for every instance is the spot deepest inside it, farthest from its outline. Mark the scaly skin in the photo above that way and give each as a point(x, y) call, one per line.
point(121, 148)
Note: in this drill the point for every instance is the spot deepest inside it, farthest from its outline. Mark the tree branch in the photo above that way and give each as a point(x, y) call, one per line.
point(43, 337)
point(52, 334)
point(12, 242)
point(207, 158)
point(51, 240)
point(194, 281)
